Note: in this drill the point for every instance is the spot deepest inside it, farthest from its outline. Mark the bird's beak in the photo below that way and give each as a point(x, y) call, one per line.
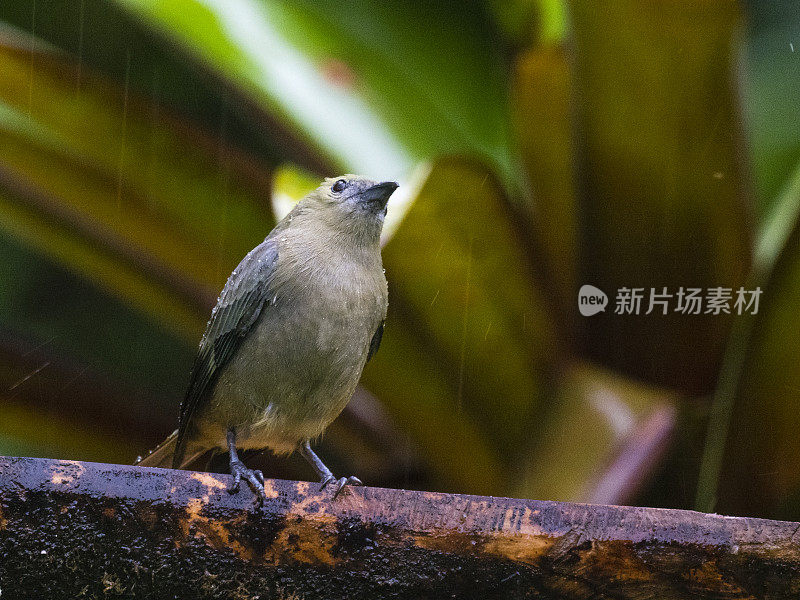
point(378, 195)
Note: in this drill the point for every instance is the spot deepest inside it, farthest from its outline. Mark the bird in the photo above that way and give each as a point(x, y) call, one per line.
point(287, 341)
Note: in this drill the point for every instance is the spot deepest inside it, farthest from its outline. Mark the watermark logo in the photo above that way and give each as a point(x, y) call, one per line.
point(686, 301)
point(591, 300)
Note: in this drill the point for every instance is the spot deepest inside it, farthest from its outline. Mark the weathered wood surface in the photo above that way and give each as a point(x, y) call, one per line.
point(75, 530)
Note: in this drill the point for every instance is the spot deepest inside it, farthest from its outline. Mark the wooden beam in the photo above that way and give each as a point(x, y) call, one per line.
point(73, 529)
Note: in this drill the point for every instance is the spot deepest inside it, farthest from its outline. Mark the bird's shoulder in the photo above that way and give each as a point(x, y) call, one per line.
point(248, 287)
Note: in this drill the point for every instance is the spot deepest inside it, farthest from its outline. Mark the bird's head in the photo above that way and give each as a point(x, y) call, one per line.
point(352, 205)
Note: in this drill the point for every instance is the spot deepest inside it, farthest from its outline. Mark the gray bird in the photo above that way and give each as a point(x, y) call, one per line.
point(291, 332)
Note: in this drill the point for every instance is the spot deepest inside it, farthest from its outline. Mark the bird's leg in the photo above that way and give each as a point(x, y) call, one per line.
point(325, 475)
point(254, 478)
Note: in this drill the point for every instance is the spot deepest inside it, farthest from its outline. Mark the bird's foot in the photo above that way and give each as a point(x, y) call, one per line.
point(254, 478)
point(339, 483)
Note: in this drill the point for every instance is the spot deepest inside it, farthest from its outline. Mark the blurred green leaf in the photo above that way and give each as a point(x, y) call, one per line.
point(541, 94)
point(373, 94)
point(23, 432)
point(460, 285)
point(289, 185)
point(664, 197)
point(409, 378)
point(594, 416)
point(777, 227)
point(99, 35)
point(528, 22)
point(81, 255)
point(773, 74)
point(773, 113)
point(122, 192)
point(762, 394)
point(48, 311)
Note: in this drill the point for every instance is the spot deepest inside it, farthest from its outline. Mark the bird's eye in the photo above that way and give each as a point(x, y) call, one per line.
point(339, 185)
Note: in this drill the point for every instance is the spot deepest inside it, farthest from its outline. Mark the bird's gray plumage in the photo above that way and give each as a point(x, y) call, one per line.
point(291, 332)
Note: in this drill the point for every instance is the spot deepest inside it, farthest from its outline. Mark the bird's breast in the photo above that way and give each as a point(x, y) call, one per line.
point(302, 361)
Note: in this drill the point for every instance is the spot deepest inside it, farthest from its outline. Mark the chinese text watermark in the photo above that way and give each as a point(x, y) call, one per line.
point(683, 300)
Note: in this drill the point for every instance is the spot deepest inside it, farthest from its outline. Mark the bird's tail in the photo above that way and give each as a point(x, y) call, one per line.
point(162, 455)
point(164, 452)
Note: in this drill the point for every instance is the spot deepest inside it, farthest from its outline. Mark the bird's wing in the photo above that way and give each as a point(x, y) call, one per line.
point(240, 304)
point(375, 343)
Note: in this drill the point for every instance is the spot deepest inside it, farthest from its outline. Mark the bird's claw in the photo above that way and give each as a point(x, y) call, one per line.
point(254, 478)
point(339, 483)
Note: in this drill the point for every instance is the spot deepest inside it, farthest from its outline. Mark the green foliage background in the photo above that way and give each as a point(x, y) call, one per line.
point(145, 146)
